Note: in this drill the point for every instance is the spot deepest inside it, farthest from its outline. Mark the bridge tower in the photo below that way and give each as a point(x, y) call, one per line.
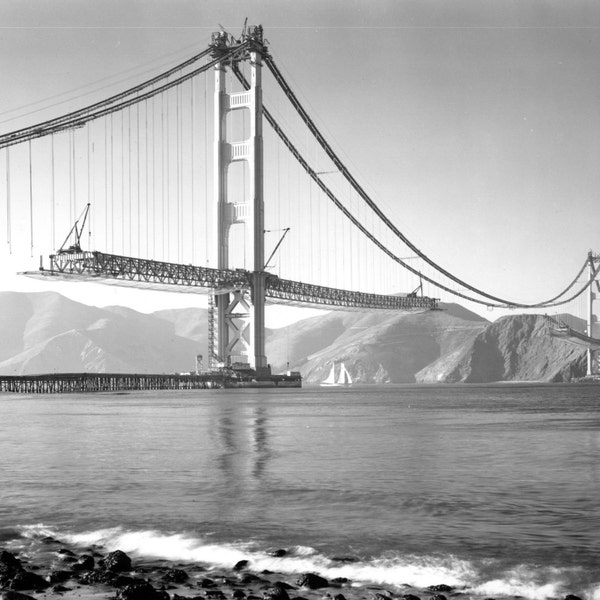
point(240, 312)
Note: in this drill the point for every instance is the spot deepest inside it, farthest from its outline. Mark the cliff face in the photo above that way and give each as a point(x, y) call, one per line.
point(514, 348)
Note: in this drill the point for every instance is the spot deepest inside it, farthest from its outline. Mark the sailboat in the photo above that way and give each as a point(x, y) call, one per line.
point(342, 379)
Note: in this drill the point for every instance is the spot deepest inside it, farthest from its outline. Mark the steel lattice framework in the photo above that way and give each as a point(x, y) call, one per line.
point(139, 272)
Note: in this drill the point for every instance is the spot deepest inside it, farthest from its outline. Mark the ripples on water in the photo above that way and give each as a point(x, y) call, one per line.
point(493, 487)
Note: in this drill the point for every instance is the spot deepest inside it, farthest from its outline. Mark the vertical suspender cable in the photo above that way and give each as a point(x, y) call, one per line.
point(129, 171)
point(74, 205)
point(112, 185)
point(163, 177)
point(153, 183)
point(178, 170)
point(146, 136)
point(192, 81)
point(168, 198)
point(122, 183)
point(89, 126)
point(71, 175)
point(93, 198)
point(30, 200)
point(137, 146)
point(53, 197)
point(106, 185)
point(207, 227)
point(8, 216)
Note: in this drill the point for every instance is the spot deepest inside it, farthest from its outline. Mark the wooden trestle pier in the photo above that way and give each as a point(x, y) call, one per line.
point(63, 383)
point(60, 383)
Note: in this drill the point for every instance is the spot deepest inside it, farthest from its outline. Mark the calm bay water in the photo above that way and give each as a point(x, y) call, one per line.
point(496, 488)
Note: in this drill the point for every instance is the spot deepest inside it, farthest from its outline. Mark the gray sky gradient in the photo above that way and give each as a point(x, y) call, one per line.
point(475, 124)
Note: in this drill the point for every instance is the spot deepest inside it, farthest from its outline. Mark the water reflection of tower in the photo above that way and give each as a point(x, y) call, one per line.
point(262, 453)
point(242, 439)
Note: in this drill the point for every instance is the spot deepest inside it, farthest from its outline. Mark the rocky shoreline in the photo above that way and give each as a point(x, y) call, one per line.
point(60, 572)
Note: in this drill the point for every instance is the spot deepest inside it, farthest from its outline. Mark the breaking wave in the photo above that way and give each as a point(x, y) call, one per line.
point(392, 570)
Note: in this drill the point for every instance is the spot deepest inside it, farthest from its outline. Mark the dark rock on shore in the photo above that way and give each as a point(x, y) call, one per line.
point(10, 565)
point(312, 581)
point(26, 580)
point(116, 561)
point(276, 592)
point(175, 576)
point(14, 577)
point(278, 553)
point(10, 595)
point(98, 576)
point(240, 564)
point(59, 576)
point(409, 597)
point(440, 588)
point(141, 590)
point(84, 563)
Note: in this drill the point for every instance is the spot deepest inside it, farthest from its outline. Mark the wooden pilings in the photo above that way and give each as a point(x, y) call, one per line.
point(61, 383)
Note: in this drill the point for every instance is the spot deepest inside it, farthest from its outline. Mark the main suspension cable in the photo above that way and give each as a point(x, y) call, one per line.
point(116, 97)
point(346, 173)
point(313, 174)
point(81, 117)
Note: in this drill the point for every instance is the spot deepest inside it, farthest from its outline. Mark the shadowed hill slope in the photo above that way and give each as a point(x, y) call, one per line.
point(514, 348)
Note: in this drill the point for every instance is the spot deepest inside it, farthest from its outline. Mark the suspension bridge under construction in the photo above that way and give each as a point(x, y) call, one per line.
point(191, 182)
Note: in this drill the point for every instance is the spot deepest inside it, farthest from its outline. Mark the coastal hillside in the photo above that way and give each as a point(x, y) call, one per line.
point(376, 346)
point(46, 332)
point(513, 348)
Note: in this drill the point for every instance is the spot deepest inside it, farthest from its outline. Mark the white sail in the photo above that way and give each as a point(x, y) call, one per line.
point(331, 377)
point(340, 378)
point(344, 377)
point(347, 378)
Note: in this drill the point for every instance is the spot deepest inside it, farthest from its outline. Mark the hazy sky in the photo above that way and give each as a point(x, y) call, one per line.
point(476, 125)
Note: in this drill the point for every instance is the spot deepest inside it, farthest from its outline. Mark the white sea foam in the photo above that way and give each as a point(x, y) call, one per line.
point(536, 583)
point(529, 582)
point(412, 570)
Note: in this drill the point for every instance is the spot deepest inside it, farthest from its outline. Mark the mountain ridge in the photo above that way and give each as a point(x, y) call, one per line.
point(46, 332)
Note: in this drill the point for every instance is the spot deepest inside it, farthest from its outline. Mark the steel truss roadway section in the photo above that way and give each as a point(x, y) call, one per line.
point(292, 292)
point(127, 271)
point(139, 272)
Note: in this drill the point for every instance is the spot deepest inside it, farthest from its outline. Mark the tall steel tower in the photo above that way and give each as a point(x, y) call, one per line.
point(240, 312)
